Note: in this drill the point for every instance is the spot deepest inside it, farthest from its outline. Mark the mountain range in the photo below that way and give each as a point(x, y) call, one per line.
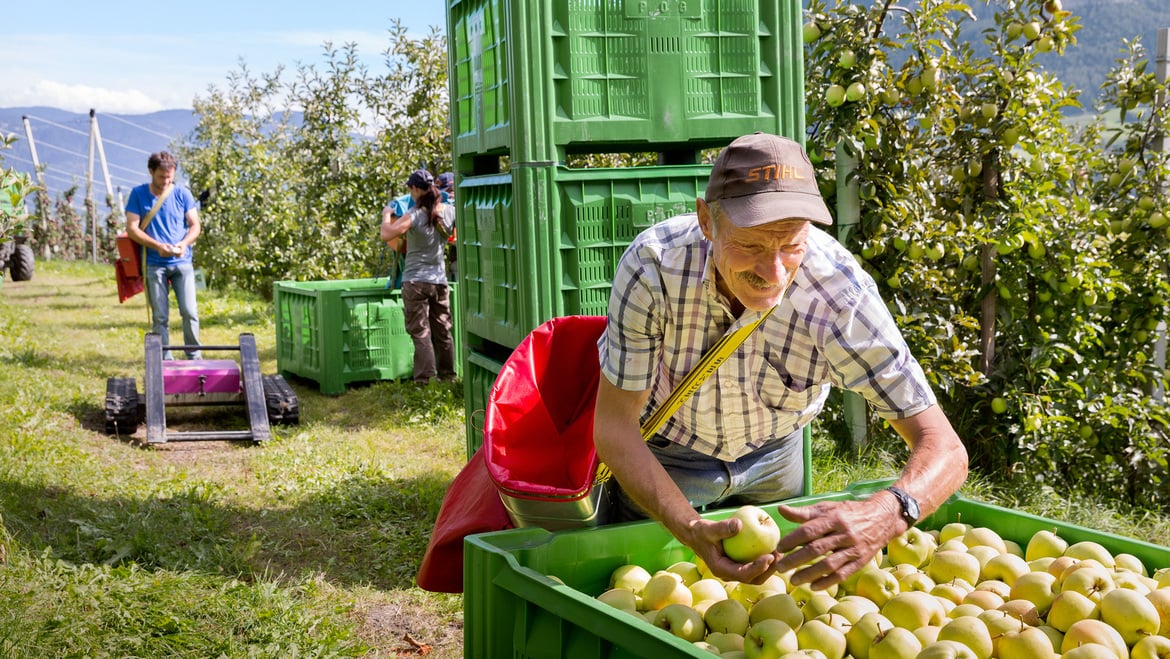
point(62, 142)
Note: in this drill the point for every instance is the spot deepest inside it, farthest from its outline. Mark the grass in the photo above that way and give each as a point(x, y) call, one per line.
point(306, 546)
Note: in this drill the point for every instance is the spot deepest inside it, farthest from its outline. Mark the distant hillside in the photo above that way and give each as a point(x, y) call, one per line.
point(1104, 25)
point(62, 144)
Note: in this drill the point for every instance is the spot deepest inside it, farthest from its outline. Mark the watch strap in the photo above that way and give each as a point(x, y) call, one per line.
point(910, 509)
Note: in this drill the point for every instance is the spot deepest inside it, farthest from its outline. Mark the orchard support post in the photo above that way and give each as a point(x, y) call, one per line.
point(1161, 73)
point(848, 217)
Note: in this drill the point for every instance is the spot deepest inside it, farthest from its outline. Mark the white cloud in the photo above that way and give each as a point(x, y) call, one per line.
point(82, 98)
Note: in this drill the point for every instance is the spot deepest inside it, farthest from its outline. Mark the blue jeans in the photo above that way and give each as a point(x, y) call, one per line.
point(181, 278)
point(771, 473)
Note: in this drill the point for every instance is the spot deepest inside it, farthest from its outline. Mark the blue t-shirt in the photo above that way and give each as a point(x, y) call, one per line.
point(399, 205)
point(169, 225)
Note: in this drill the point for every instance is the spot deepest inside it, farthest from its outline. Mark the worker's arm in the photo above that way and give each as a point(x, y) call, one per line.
point(393, 226)
point(855, 531)
point(134, 232)
point(618, 439)
point(194, 228)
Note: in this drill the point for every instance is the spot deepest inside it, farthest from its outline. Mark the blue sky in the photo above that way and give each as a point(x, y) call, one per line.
point(127, 57)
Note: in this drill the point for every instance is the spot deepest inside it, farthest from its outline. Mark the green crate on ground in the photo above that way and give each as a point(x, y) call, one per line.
point(342, 331)
point(537, 77)
point(542, 242)
point(512, 608)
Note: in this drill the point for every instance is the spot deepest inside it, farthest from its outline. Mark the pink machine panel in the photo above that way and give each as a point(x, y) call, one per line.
point(201, 376)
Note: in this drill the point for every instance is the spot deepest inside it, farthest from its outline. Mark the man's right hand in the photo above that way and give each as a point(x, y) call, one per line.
point(705, 538)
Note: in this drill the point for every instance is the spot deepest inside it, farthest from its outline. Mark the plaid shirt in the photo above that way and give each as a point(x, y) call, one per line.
point(832, 328)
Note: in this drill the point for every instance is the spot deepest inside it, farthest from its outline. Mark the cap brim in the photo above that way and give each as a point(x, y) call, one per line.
point(766, 207)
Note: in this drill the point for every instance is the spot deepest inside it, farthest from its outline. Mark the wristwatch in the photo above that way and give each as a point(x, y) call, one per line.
point(910, 511)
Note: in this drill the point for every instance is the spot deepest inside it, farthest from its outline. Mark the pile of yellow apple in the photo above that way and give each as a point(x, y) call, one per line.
point(960, 592)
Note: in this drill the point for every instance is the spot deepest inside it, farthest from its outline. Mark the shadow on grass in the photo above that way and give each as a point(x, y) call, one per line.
point(366, 531)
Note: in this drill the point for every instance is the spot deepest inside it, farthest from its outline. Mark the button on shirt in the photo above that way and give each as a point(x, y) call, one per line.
point(831, 329)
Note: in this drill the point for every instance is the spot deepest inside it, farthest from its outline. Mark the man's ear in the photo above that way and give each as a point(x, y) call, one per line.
point(704, 213)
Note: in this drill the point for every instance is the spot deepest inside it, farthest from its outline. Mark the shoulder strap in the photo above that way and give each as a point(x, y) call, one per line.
point(711, 360)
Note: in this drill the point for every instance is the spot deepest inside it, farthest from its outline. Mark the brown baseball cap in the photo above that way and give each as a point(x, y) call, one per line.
point(762, 178)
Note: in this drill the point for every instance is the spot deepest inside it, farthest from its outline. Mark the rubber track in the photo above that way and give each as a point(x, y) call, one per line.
point(280, 401)
point(122, 406)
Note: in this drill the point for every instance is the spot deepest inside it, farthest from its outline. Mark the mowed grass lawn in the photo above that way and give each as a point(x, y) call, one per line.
point(307, 546)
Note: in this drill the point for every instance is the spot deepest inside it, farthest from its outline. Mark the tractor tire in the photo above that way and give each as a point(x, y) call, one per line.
point(6, 250)
point(123, 413)
point(21, 263)
point(281, 401)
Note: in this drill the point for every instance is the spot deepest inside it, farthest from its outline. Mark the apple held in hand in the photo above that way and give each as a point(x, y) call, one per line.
point(758, 535)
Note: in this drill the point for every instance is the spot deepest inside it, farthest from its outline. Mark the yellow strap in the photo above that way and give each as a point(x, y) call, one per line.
point(711, 360)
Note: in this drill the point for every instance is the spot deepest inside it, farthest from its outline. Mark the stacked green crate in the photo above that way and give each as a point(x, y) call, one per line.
point(533, 81)
point(536, 78)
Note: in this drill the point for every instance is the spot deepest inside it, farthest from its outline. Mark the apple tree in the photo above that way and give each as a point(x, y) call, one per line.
point(992, 226)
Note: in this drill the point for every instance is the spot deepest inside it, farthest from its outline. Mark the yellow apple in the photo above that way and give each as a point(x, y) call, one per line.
point(1130, 613)
point(946, 565)
point(896, 643)
point(1124, 561)
point(728, 617)
point(954, 590)
point(913, 547)
point(927, 634)
point(942, 649)
point(817, 604)
point(682, 621)
point(971, 632)
point(1085, 632)
point(1039, 588)
point(1069, 607)
point(818, 635)
point(725, 641)
point(917, 580)
point(779, 606)
point(982, 536)
point(1090, 549)
point(1161, 601)
point(1025, 643)
point(707, 589)
point(952, 530)
point(687, 570)
point(964, 610)
point(1090, 651)
point(758, 535)
point(853, 607)
point(1005, 568)
point(1091, 581)
point(998, 587)
point(665, 588)
point(1022, 610)
point(630, 577)
point(769, 639)
point(861, 635)
point(1151, 647)
point(620, 598)
point(878, 586)
point(1043, 544)
point(913, 610)
point(984, 599)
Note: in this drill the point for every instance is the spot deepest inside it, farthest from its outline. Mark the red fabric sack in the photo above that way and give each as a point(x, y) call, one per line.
point(472, 505)
point(128, 268)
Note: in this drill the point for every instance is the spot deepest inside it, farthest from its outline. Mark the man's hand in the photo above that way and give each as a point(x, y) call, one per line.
point(843, 535)
point(705, 537)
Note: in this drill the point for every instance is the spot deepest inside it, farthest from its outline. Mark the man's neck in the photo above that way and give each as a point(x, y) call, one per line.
point(155, 191)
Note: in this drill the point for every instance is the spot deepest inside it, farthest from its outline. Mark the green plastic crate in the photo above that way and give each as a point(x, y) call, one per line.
point(537, 77)
point(479, 373)
point(542, 242)
point(342, 331)
point(513, 609)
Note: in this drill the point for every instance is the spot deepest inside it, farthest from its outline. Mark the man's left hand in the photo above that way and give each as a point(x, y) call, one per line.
point(840, 536)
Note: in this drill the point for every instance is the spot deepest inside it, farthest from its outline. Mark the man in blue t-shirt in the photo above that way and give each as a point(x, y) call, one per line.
point(167, 234)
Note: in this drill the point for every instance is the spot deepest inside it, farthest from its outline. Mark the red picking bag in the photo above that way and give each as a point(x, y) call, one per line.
point(471, 506)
